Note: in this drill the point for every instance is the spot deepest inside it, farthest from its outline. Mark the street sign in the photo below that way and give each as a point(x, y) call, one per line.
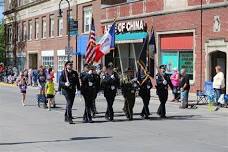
point(73, 27)
point(69, 51)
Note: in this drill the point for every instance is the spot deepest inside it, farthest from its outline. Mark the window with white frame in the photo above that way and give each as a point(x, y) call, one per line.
point(60, 26)
point(87, 12)
point(48, 61)
point(37, 29)
point(44, 27)
point(175, 4)
point(30, 30)
point(24, 31)
point(10, 35)
point(52, 26)
point(61, 61)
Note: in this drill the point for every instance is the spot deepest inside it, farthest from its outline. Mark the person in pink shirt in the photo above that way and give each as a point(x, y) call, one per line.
point(175, 79)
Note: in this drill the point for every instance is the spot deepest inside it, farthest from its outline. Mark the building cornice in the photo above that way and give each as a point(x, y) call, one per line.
point(166, 12)
point(19, 8)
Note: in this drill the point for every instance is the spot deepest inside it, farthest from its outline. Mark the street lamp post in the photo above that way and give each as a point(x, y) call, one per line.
point(68, 27)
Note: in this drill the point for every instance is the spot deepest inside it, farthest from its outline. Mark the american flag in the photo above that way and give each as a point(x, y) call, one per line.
point(90, 50)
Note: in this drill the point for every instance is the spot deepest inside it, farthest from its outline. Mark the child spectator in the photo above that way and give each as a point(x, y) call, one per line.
point(50, 92)
point(23, 88)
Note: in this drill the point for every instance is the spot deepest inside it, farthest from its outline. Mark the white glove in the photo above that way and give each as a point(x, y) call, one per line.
point(135, 79)
point(90, 72)
point(112, 76)
point(67, 84)
point(165, 82)
point(78, 92)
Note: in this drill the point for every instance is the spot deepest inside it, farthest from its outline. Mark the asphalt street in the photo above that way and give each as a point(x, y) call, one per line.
point(33, 129)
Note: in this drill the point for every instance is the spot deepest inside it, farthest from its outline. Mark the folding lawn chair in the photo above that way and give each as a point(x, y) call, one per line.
point(202, 96)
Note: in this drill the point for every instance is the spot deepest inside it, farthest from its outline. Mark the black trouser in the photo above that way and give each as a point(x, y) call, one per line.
point(109, 112)
point(163, 96)
point(70, 101)
point(88, 107)
point(129, 104)
point(94, 109)
point(146, 101)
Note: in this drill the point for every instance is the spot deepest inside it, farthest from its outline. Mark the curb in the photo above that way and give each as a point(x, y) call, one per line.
point(7, 84)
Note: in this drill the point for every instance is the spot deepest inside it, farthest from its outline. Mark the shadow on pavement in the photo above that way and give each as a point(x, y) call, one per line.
point(52, 141)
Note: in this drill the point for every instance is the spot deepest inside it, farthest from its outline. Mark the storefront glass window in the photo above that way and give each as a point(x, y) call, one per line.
point(178, 60)
point(87, 18)
point(61, 62)
point(48, 61)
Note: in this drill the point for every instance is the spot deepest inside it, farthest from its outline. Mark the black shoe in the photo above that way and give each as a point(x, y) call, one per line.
point(147, 117)
point(85, 120)
point(111, 119)
point(163, 117)
point(90, 121)
point(70, 121)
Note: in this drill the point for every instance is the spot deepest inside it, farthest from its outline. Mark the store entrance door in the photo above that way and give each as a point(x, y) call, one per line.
point(218, 58)
point(33, 61)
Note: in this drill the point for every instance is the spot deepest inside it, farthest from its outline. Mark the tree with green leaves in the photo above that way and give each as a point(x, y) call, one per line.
point(2, 43)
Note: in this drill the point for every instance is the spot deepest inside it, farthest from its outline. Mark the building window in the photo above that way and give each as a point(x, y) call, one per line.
point(48, 61)
point(87, 12)
point(52, 26)
point(24, 36)
point(60, 26)
point(37, 29)
point(44, 27)
point(175, 4)
point(61, 61)
point(30, 30)
point(178, 60)
point(10, 34)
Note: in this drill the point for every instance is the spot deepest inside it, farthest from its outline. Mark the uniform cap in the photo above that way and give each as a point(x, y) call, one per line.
point(68, 62)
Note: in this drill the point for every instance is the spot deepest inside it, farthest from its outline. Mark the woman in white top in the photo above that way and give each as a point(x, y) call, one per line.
point(218, 82)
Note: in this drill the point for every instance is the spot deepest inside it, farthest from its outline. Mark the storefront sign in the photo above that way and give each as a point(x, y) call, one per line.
point(130, 26)
point(186, 62)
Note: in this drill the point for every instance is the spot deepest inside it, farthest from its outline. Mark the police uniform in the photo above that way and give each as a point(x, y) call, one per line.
point(69, 91)
point(144, 93)
point(162, 81)
point(88, 90)
point(110, 84)
point(129, 87)
point(98, 86)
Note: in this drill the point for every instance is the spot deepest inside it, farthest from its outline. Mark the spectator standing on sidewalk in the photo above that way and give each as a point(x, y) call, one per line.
point(185, 87)
point(218, 82)
point(175, 79)
point(41, 81)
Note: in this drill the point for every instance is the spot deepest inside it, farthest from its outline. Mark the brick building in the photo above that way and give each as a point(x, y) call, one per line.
point(188, 34)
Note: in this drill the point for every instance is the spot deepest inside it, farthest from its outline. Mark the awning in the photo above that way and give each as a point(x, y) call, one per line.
point(82, 44)
point(136, 37)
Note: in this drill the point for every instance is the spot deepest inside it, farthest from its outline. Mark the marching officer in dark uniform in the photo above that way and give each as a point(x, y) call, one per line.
point(110, 84)
point(98, 86)
point(88, 90)
point(129, 87)
point(68, 81)
point(144, 80)
point(162, 81)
